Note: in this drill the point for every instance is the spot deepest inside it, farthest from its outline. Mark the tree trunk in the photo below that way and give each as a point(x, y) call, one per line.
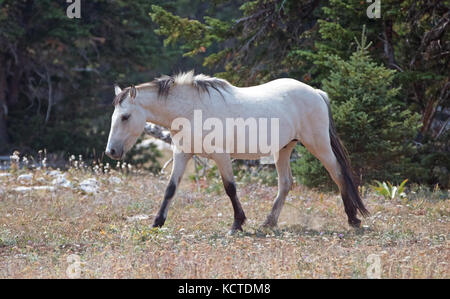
point(428, 116)
point(4, 138)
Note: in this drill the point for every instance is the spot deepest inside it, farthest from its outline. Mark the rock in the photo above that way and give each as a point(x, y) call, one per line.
point(34, 188)
point(25, 177)
point(45, 188)
point(137, 218)
point(89, 186)
point(56, 173)
point(60, 179)
point(62, 182)
point(115, 180)
point(22, 189)
point(267, 160)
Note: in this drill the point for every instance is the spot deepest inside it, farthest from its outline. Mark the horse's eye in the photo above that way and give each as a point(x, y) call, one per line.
point(125, 117)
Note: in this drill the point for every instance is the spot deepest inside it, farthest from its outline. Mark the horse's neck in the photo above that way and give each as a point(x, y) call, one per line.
point(164, 110)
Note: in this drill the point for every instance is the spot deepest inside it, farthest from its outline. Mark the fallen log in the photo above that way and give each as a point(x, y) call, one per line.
point(158, 132)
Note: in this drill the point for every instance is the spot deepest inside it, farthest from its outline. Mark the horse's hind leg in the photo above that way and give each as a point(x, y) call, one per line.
point(320, 147)
point(226, 171)
point(179, 165)
point(282, 163)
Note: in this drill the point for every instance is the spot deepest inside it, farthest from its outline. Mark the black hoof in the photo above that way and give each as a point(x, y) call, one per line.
point(355, 222)
point(236, 227)
point(237, 224)
point(159, 222)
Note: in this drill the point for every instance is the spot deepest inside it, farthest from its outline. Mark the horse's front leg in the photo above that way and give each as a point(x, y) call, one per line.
point(179, 165)
point(223, 162)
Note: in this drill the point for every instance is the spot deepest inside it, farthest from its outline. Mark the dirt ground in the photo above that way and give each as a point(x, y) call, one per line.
point(82, 224)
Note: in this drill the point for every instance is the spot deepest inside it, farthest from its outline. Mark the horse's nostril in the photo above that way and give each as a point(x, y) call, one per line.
point(112, 151)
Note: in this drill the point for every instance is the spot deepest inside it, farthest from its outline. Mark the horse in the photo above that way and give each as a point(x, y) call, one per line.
point(304, 116)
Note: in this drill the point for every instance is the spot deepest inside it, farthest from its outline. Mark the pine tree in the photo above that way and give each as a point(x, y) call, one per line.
point(305, 39)
point(370, 120)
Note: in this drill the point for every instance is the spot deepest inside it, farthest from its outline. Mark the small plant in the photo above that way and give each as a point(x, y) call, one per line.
point(388, 191)
point(15, 159)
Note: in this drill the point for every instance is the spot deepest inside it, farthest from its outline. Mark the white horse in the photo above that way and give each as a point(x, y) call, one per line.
point(303, 112)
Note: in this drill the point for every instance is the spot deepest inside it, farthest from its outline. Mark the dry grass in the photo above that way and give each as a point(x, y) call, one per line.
point(39, 229)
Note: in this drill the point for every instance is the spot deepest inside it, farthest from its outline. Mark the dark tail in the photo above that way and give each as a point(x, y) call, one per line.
point(350, 196)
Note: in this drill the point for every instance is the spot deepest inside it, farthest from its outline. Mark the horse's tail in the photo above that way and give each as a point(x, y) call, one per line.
point(350, 194)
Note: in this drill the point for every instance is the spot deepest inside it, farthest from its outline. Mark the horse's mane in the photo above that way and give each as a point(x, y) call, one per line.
point(164, 83)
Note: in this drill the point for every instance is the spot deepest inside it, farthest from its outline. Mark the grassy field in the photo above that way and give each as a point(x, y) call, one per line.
point(101, 228)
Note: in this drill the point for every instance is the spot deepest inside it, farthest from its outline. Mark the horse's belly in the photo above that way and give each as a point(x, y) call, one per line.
point(247, 156)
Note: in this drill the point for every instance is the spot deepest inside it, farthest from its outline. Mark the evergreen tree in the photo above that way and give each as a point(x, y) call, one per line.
point(251, 49)
point(304, 39)
point(57, 74)
point(371, 121)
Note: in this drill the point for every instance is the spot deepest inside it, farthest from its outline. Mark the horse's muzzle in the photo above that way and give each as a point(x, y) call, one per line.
point(114, 153)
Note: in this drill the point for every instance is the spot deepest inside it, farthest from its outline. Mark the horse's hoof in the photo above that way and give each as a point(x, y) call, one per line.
point(269, 223)
point(236, 227)
point(234, 231)
point(159, 222)
point(231, 232)
point(355, 223)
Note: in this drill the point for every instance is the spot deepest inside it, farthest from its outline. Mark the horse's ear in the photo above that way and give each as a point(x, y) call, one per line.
point(133, 92)
point(117, 89)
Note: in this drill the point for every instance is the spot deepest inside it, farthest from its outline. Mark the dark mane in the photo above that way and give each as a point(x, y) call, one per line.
point(164, 83)
point(217, 84)
point(201, 82)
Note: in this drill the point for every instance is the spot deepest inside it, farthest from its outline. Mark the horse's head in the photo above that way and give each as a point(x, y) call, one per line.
point(127, 123)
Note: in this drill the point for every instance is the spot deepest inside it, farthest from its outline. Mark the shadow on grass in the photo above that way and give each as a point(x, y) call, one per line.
point(301, 230)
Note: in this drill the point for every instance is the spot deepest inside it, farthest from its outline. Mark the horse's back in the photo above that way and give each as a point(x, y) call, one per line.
point(298, 106)
point(274, 88)
point(285, 96)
